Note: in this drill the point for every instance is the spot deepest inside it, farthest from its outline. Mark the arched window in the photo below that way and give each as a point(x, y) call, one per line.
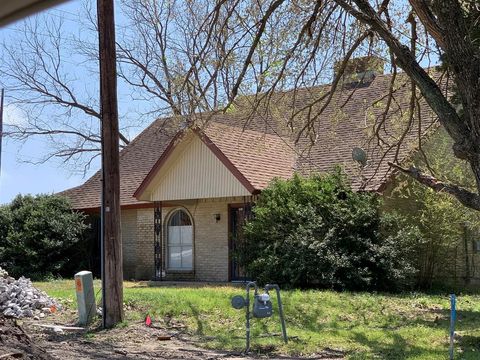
point(180, 241)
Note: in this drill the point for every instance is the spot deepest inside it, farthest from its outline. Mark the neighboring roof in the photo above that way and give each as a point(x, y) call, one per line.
point(342, 126)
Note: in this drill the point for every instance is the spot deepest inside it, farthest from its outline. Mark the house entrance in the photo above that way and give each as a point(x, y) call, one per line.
point(238, 215)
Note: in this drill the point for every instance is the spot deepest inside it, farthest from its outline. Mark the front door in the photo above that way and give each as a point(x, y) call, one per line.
point(238, 215)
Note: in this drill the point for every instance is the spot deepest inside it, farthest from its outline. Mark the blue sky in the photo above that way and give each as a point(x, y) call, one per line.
point(19, 173)
point(18, 176)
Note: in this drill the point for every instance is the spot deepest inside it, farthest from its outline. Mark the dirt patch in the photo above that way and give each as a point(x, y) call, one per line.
point(135, 341)
point(16, 344)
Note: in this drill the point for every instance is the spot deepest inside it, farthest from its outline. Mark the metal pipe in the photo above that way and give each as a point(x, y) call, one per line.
point(247, 315)
point(280, 309)
point(453, 317)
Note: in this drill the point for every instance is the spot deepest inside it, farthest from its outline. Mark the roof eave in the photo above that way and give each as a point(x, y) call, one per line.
point(17, 10)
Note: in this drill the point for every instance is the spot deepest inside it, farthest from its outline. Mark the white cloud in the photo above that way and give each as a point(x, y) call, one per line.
point(13, 115)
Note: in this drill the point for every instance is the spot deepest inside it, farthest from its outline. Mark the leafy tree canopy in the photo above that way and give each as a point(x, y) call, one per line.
point(446, 227)
point(39, 236)
point(317, 232)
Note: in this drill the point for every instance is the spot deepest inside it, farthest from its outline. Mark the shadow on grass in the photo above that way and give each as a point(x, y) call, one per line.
point(467, 320)
point(196, 316)
point(395, 347)
point(469, 344)
point(305, 318)
point(228, 339)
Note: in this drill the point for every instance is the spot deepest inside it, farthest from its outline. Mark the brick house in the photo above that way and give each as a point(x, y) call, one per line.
point(185, 191)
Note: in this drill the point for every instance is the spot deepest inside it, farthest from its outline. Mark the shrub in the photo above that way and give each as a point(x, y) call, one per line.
point(39, 236)
point(317, 232)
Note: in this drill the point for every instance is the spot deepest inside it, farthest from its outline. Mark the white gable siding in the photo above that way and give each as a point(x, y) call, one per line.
point(195, 173)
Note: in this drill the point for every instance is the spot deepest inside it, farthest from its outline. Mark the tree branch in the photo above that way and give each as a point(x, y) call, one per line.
point(428, 20)
point(467, 198)
point(439, 103)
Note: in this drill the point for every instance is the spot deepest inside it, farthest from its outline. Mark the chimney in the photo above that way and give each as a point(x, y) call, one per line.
point(360, 71)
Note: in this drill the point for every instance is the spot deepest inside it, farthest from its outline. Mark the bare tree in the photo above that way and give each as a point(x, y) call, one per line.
point(196, 57)
point(38, 69)
point(407, 34)
point(176, 58)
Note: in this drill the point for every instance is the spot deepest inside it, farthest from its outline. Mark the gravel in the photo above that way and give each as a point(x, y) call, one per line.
point(19, 298)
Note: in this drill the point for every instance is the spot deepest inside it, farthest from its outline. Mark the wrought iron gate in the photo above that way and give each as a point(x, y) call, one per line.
point(239, 215)
point(158, 244)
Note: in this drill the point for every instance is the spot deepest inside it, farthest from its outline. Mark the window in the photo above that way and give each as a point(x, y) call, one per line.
point(180, 241)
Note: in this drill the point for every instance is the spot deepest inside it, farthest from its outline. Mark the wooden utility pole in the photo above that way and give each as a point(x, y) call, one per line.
point(112, 273)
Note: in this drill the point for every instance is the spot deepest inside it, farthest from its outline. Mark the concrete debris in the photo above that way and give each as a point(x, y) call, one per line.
point(19, 298)
point(60, 328)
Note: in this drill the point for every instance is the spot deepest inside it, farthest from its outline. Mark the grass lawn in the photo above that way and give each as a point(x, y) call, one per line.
point(365, 326)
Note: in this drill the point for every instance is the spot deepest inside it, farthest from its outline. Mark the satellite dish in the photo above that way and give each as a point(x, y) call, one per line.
point(359, 155)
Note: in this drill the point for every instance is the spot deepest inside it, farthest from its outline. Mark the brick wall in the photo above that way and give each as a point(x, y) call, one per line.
point(137, 244)
point(211, 240)
point(145, 269)
point(466, 264)
point(210, 244)
point(129, 235)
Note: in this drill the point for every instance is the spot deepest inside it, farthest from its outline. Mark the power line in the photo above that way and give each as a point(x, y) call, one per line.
point(63, 12)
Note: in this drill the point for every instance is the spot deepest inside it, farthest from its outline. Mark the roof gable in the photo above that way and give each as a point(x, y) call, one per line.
point(192, 167)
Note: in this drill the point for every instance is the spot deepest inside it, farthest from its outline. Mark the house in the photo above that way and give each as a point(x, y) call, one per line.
point(186, 190)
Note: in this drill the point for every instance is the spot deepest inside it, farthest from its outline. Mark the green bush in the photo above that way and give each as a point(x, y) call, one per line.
point(39, 236)
point(317, 232)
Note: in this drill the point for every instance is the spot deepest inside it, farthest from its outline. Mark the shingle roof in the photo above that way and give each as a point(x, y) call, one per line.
point(254, 157)
point(258, 156)
point(240, 136)
point(136, 160)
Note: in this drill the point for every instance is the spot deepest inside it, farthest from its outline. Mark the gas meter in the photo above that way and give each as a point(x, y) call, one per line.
point(262, 307)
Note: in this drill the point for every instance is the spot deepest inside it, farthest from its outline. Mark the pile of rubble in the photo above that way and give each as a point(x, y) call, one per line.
point(19, 298)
